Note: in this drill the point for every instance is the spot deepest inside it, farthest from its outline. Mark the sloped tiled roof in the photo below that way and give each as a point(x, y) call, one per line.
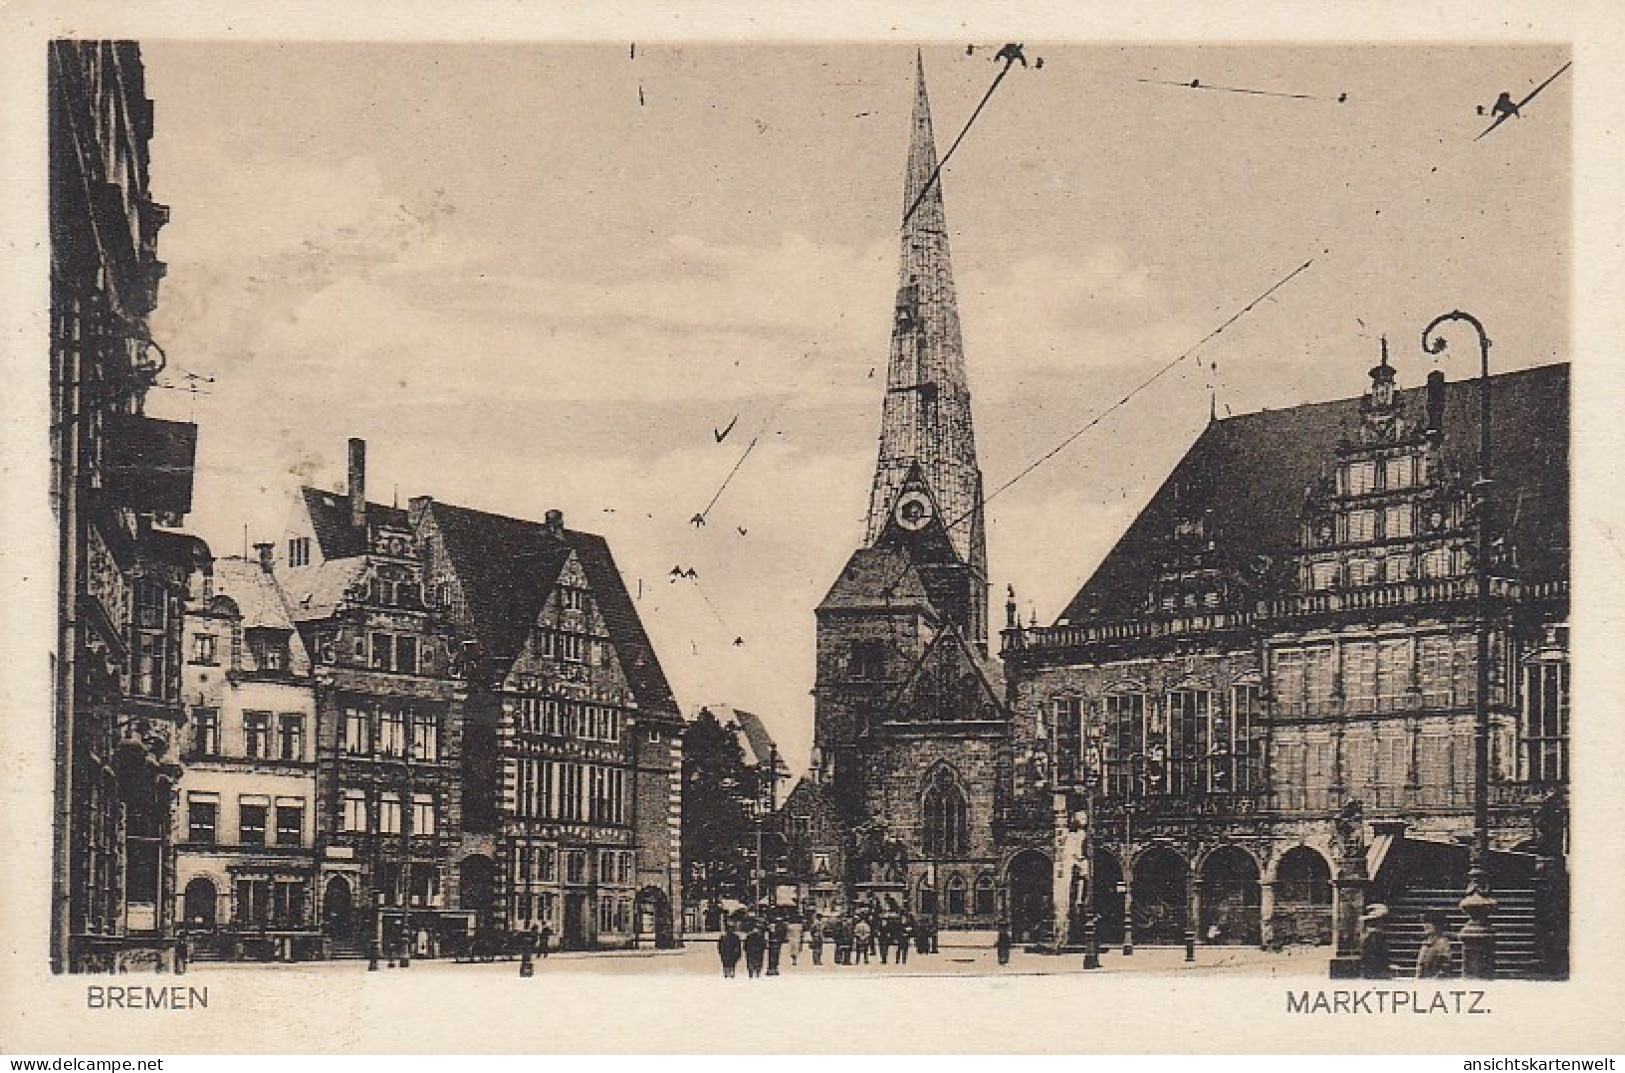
point(314, 592)
point(259, 605)
point(330, 517)
point(1252, 471)
point(878, 577)
point(507, 567)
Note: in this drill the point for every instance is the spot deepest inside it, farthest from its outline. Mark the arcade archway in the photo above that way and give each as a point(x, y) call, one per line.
point(1230, 898)
point(1032, 909)
point(1159, 897)
point(1303, 898)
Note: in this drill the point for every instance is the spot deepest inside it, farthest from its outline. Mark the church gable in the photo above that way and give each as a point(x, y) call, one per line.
point(915, 523)
point(946, 686)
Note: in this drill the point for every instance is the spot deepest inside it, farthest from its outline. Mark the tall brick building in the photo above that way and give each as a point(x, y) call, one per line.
point(912, 736)
point(120, 480)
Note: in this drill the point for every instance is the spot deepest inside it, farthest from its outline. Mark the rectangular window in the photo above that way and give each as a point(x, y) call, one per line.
point(202, 818)
point(575, 867)
point(1393, 673)
point(1546, 721)
point(253, 903)
point(1362, 525)
point(1396, 521)
point(574, 599)
point(389, 813)
point(1360, 676)
point(425, 736)
point(1397, 568)
point(290, 823)
point(1362, 478)
point(1323, 575)
point(251, 821)
point(1125, 742)
point(288, 903)
point(392, 732)
point(269, 649)
point(206, 731)
point(383, 652)
point(423, 819)
point(406, 655)
point(573, 648)
point(1289, 696)
point(291, 736)
point(203, 649)
point(1400, 472)
point(1434, 656)
point(1318, 679)
point(1437, 562)
point(1363, 572)
point(357, 731)
point(299, 551)
point(257, 735)
point(1187, 746)
point(547, 864)
point(355, 811)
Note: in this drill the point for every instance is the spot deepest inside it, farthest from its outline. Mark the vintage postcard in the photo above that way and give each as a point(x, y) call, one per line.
point(1098, 523)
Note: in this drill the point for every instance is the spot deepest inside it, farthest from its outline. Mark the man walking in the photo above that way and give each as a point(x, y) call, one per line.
point(728, 949)
point(1434, 960)
point(755, 948)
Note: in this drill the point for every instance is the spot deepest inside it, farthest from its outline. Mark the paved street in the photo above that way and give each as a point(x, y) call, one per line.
point(699, 956)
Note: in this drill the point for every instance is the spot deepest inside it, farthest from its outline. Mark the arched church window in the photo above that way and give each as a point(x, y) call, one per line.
point(986, 901)
point(946, 816)
point(956, 895)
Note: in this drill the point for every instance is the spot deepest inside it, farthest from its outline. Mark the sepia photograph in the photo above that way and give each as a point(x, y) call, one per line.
point(648, 512)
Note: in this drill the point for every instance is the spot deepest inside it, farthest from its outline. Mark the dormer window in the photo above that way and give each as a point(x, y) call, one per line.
point(269, 648)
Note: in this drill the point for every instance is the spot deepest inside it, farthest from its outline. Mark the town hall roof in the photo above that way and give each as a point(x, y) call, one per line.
point(1250, 472)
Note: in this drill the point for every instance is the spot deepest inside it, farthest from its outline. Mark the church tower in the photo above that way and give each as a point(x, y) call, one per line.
point(927, 482)
point(911, 732)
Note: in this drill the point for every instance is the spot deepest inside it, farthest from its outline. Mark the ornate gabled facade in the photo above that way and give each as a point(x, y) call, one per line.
point(388, 669)
point(574, 738)
point(912, 736)
point(1269, 683)
point(119, 478)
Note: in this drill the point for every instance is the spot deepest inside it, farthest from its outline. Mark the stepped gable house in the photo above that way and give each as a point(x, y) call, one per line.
point(389, 721)
point(573, 737)
point(1270, 680)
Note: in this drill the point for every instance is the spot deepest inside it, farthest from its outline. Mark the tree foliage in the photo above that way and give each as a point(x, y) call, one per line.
point(718, 829)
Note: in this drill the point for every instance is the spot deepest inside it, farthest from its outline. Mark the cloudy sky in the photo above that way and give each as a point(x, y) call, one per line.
point(541, 276)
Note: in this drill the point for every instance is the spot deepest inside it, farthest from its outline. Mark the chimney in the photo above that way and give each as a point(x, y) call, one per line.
point(267, 559)
point(553, 522)
point(1435, 425)
point(358, 482)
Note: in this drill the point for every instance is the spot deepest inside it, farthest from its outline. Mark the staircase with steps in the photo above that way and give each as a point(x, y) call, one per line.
point(1517, 954)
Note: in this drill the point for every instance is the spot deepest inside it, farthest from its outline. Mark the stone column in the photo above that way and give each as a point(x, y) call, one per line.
point(1348, 907)
point(1266, 913)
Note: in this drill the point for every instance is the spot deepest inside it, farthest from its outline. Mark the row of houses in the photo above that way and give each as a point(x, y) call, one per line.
point(432, 726)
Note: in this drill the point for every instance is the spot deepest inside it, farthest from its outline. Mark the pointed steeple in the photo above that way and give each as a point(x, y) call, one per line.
point(926, 417)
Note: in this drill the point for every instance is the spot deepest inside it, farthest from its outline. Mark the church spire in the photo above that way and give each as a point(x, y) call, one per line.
point(926, 416)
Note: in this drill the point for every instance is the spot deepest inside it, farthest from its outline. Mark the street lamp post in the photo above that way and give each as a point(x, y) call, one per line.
point(1136, 761)
point(1477, 935)
point(1091, 777)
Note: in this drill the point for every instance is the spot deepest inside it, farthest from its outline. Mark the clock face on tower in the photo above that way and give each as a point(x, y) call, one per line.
point(913, 511)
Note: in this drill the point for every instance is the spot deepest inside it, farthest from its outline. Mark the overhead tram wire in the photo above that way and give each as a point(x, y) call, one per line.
point(936, 172)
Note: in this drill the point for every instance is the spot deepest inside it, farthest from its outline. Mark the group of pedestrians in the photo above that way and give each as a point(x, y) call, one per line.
point(762, 940)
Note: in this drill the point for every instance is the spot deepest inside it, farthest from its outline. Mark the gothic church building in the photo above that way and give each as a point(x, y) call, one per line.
point(913, 737)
